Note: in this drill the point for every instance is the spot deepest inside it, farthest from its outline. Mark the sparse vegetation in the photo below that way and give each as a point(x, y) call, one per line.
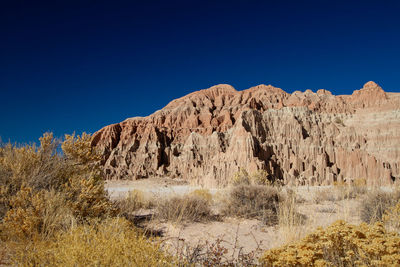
point(187, 208)
point(134, 201)
point(112, 242)
point(253, 201)
point(288, 215)
point(340, 244)
point(213, 254)
point(341, 191)
point(376, 203)
point(203, 193)
point(259, 177)
point(391, 217)
point(47, 198)
point(55, 211)
point(29, 172)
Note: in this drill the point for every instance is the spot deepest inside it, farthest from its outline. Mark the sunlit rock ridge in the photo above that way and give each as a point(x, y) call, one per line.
point(303, 138)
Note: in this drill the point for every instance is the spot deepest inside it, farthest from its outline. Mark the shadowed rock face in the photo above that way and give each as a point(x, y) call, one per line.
point(300, 138)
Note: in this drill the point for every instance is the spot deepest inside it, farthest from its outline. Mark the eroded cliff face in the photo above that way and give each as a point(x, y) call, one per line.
point(300, 138)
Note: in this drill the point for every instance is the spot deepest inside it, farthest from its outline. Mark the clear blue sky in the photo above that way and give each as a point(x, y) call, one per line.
point(70, 66)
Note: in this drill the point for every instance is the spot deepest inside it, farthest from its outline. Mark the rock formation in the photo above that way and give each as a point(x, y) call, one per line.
point(301, 138)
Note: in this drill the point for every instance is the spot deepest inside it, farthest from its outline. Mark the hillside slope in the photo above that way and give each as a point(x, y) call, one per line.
point(302, 138)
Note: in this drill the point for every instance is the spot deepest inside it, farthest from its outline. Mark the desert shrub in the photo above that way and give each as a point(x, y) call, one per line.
point(34, 214)
point(376, 203)
point(85, 186)
point(253, 201)
point(78, 149)
point(88, 199)
point(340, 244)
point(322, 195)
point(134, 201)
point(41, 188)
point(259, 177)
point(4, 254)
point(187, 208)
point(114, 242)
point(340, 191)
point(241, 177)
point(38, 167)
point(203, 193)
point(391, 218)
point(4, 200)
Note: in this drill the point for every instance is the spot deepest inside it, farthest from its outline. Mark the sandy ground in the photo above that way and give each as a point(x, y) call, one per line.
point(239, 234)
point(153, 186)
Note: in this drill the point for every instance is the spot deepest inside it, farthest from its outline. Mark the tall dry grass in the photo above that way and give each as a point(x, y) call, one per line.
point(292, 224)
point(376, 203)
point(135, 201)
point(181, 209)
point(112, 242)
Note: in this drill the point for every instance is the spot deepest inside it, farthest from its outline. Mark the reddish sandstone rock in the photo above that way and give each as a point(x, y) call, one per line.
point(301, 138)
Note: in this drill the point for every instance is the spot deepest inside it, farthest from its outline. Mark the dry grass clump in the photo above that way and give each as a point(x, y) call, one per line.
point(187, 208)
point(134, 201)
point(291, 222)
point(340, 244)
point(259, 177)
point(253, 201)
point(287, 212)
point(327, 194)
point(375, 204)
point(341, 191)
point(203, 193)
point(113, 242)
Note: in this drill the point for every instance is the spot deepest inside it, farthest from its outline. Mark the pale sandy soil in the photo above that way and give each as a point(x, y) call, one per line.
point(250, 235)
point(153, 186)
point(239, 234)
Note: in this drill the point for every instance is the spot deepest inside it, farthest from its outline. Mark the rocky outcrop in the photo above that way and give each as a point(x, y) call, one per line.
point(301, 138)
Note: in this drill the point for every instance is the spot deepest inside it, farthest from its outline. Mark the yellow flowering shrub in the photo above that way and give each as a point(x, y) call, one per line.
point(340, 244)
point(113, 242)
point(391, 218)
point(78, 148)
point(34, 214)
point(42, 189)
